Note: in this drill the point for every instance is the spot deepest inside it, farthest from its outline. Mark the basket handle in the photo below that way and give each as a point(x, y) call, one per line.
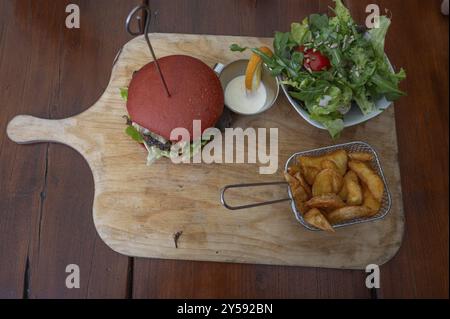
point(225, 204)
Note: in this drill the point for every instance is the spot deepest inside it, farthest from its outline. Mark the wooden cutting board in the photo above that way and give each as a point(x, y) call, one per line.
point(138, 208)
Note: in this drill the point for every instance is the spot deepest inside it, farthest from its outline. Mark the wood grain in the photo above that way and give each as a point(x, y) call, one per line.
point(20, 199)
point(46, 218)
point(155, 278)
point(138, 209)
point(418, 41)
point(68, 236)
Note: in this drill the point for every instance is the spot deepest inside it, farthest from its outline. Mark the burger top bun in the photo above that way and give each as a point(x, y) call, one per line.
point(196, 94)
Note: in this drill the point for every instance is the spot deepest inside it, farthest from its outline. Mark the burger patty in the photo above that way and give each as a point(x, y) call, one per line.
point(151, 141)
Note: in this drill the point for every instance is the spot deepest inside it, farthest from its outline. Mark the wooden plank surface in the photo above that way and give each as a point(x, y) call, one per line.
point(186, 279)
point(67, 236)
point(418, 41)
point(421, 267)
point(46, 216)
point(20, 192)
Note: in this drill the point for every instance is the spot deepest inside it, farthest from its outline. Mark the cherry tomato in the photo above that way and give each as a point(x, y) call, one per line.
point(314, 61)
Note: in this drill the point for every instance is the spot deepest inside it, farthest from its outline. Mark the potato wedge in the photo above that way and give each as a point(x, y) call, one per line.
point(301, 206)
point(301, 191)
point(348, 213)
point(294, 169)
point(300, 194)
point(351, 191)
point(303, 183)
point(368, 177)
point(311, 165)
point(310, 162)
point(327, 181)
point(369, 200)
point(340, 158)
point(315, 218)
point(361, 156)
point(344, 192)
point(292, 181)
point(327, 201)
point(329, 164)
point(310, 173)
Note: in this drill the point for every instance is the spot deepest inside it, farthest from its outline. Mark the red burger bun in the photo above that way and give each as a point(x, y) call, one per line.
point(196, 94)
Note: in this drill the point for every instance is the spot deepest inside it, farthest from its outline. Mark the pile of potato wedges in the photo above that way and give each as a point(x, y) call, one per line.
point(335, 188)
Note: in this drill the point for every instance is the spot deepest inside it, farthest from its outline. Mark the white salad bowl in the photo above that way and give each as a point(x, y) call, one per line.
point(353, 117)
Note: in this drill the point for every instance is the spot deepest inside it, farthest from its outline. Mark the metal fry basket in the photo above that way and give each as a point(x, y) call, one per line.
point(351, 147)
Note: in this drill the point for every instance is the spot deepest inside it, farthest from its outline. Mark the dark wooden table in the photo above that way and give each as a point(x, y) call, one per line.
point(46, 190)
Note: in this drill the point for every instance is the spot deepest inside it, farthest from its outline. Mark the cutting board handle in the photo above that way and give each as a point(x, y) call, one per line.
point(26, 129)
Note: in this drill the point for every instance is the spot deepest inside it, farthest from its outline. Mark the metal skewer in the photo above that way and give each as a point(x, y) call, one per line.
point(146, 30)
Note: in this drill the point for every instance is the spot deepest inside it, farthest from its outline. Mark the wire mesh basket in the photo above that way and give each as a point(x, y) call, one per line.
point(351, 147)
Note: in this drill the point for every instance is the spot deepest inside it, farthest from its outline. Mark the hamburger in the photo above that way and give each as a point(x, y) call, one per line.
point(195, 94)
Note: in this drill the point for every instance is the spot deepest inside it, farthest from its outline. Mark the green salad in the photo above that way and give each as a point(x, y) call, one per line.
point(330, 62)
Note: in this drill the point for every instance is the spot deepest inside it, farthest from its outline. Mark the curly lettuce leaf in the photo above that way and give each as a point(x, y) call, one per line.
point(343, 19)
point(342, 13)
point(384, 81)
point(332, 100)
point(334, 124)
point(237, 48)
point(318, 22)
point(364, 65)
point(365, 104)
point(387, 85)
point(300, 32)
point(132, 132)
point(124, 94)
point(307, 90)
point(377, 37)
point(326, 104)
point(282, 44)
